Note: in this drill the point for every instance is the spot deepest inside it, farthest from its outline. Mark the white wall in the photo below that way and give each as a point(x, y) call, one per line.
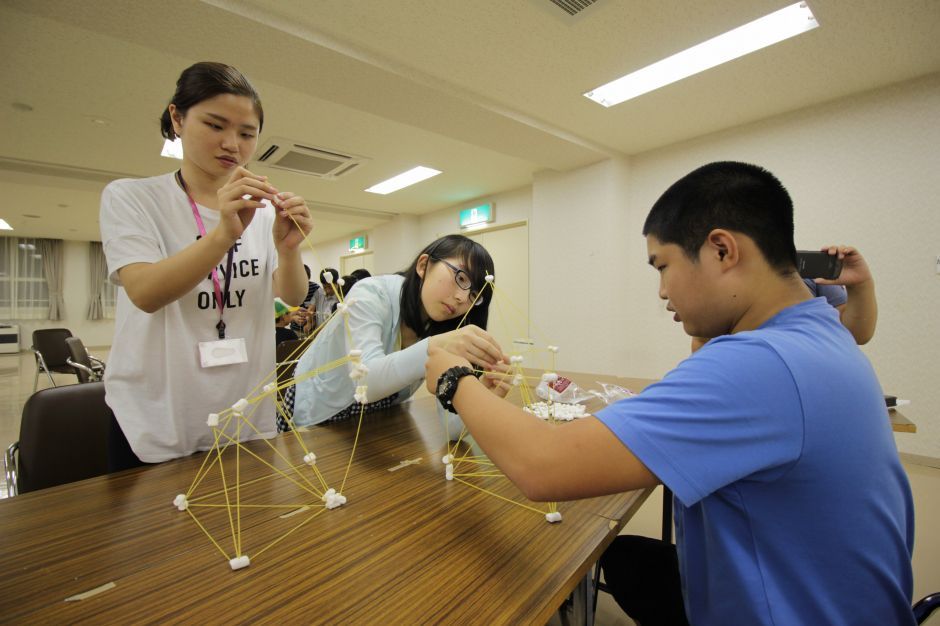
point(76, 287)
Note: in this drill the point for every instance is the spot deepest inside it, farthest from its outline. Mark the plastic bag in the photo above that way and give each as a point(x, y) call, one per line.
point(612, 393)
point(562, 390)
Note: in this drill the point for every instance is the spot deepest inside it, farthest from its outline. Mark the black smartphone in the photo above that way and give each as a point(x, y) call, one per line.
point(818, 265)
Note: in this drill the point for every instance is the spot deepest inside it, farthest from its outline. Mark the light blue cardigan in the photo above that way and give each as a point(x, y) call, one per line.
point(374, 320)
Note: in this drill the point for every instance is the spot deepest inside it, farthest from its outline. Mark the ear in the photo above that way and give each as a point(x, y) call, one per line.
point(177, 118)
point(722, 246)
point(421, 267)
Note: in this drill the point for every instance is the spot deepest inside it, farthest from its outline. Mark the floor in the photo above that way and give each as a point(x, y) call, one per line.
point(17, 373)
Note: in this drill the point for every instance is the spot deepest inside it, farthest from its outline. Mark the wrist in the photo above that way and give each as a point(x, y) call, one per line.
point(219, 241)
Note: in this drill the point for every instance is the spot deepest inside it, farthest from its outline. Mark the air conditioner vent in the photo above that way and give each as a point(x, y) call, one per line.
point(572, 7)
point(286, 154)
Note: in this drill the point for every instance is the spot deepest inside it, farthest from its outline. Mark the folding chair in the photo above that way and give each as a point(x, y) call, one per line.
point(89, 369)
point(51, 353)
point(63, 438)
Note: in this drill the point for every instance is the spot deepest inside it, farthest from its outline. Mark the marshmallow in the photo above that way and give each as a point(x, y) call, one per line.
point(517, 380)
point(340, 282)
point(553, 349)
point(355, 354)
point(556, 410)
point(181, 502)
point(239, 562)
point(328, 276)
point(447, 459)
point(240, 407)
point(489, 278)
point(549, 377)
point(449, 471)
point(310, 459)
point(342, 308)
point(213, 420)
point(350, 301)
point(553, 517)
point(516, 358)
point(360, 395)
point(270, 387)
point(359, 371)
point(333, 499)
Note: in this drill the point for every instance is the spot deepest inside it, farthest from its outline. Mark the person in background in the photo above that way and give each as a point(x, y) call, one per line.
point(360, 273)
point(299, 321)
point(199, 254)
point(325, 297)
point(791, 504)
point(283, 316)
point(347, 284)
point(394, 319)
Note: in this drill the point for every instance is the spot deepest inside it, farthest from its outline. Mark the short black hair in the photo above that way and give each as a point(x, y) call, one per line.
point(334, 275)
point(205, 80)
point(361, 273)
point(478, 262)
point(307, 270)
point(730, 195)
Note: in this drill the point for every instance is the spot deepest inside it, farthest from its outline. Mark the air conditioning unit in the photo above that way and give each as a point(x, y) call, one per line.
point(293, 156)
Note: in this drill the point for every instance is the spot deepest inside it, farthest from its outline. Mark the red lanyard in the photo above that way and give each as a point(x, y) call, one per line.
point(221, 296)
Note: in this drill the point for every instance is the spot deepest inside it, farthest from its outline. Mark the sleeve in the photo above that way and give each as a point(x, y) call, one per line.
point(731, 411)
point(127, 232)
point(835, 295)
point(368, 318)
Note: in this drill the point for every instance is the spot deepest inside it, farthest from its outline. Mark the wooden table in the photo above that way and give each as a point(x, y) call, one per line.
point(408, 547)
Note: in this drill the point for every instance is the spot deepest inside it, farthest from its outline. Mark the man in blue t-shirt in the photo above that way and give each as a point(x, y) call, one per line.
point(791, 503)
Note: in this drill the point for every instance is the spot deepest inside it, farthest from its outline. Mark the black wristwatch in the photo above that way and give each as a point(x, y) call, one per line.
point(447, 385)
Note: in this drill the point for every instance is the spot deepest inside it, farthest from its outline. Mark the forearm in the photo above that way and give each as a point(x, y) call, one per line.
point(860, 314)
point(152, 286)
point(290, 280)
point(548, 462)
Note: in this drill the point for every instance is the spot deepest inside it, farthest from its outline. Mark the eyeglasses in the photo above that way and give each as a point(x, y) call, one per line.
point(462, 278)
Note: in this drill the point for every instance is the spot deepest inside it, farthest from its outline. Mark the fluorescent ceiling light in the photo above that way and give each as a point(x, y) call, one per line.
point(766, 31)
point(4, 225)
point(172, 149)
point(405, 179)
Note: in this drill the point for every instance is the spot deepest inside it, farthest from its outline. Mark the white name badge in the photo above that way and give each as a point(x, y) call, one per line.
point(222, 352)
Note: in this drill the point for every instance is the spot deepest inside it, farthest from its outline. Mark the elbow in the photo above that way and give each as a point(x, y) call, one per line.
point(147, 305)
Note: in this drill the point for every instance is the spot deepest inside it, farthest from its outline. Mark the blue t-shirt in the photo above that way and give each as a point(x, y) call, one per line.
point(791, 503)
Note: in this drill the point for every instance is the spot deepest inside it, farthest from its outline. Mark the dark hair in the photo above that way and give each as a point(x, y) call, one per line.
point(348, 281)
point(478, 263)
point(735, 196)
point(307, 270)
point(360, 273)
point(205, 80)
point(334, 276)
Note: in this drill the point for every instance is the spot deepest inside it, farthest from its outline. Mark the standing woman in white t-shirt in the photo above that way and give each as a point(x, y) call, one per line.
point(200, 254)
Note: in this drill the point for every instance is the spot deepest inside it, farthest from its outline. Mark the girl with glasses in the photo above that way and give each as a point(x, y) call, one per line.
point(394, 319)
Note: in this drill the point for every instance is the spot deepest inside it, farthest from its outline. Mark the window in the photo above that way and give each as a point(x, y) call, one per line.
point(24, 292)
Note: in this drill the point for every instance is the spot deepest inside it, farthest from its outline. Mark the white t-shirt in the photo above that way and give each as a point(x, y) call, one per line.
point(154, 383)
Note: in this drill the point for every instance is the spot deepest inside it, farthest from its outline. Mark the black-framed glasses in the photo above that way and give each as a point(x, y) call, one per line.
point(461, 277)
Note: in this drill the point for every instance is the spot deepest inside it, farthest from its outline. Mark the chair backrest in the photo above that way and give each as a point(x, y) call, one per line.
point(79, 355)
point(285, 361)
point(63, 436)
point(50, 342)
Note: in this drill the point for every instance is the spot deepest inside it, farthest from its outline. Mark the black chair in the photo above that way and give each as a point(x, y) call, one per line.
point(51, 353)
point(925, 607)
point(63, 438)
point(287, 353)
point(88, 368)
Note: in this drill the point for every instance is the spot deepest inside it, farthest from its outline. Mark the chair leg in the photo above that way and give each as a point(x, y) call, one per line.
point(36, 380)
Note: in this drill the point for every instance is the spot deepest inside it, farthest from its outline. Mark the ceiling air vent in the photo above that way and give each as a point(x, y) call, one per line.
point(572, 7)
point(286, 154)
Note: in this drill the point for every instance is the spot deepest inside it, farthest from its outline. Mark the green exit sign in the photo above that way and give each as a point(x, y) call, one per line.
point(359, 243)
point(482, 214)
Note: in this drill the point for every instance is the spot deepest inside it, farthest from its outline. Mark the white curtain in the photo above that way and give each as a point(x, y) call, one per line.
point(98, 269)
point(24, 294)
point(51, 252)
